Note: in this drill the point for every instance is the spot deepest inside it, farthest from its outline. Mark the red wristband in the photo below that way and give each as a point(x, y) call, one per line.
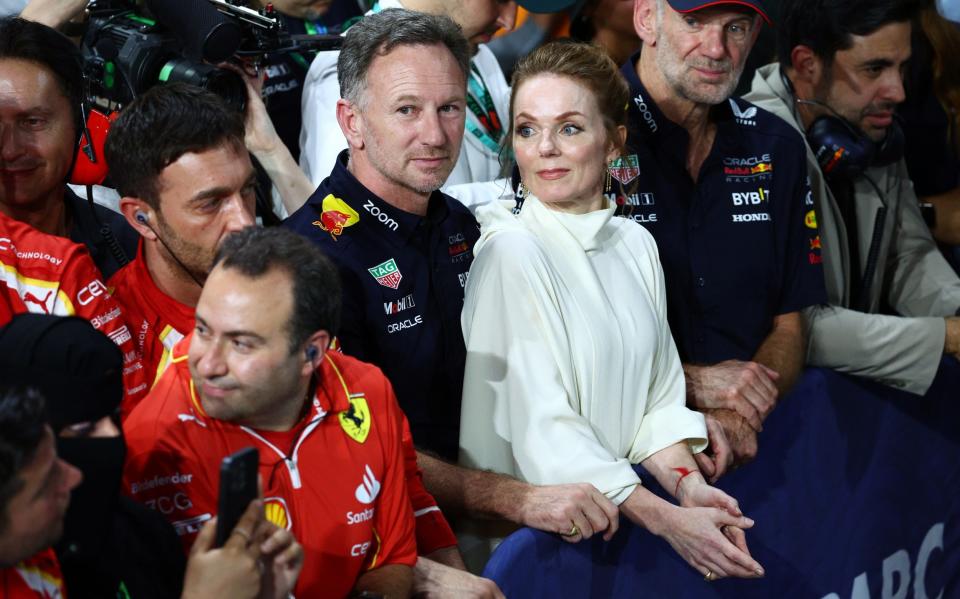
point(683, 473)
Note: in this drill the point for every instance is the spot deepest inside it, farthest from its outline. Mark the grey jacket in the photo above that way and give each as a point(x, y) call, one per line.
point(911, 275)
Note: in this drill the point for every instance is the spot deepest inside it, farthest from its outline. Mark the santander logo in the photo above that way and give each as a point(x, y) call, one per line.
point(368, 490)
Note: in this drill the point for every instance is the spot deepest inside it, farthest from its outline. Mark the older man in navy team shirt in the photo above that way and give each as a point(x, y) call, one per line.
point(722, 186)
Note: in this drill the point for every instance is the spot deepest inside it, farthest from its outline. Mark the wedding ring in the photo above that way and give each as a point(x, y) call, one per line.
point(242, 533)
point(710, 576)
point(574, 531)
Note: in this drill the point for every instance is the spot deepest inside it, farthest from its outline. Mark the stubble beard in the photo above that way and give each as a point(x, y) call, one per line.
point(673, 70)
point(382, 163)
point(194, 259)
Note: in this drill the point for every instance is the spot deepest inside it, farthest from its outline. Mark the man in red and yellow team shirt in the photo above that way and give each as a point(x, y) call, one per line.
point(327, 426)
point(183, 192)
point(47, 274)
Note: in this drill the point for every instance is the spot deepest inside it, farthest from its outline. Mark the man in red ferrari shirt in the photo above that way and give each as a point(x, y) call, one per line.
point(184, 192)
point(327, 426)
point(47, 274)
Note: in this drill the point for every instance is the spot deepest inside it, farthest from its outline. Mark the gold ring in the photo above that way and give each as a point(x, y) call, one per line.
point(574, 531)
point(710, 576)
point(242, 533)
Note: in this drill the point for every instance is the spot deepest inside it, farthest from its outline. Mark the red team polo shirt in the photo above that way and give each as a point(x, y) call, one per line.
point(47, 274)
point(336, 482)
point(159, 322)
point(33, 578)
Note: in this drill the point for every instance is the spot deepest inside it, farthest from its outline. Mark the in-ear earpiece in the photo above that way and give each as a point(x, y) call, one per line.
point(311, 353)
point(141, 217)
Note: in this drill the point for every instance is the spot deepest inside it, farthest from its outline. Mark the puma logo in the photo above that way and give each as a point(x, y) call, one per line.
point(29, 297)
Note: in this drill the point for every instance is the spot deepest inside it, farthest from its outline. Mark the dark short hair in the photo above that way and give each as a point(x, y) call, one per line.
point(160, 126)
point(26, 40)
point(255, 251)
point(22, 420)
point(827, 26)
point(378, 34)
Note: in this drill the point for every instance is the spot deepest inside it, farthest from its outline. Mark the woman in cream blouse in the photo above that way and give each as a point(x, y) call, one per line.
point(572, 374)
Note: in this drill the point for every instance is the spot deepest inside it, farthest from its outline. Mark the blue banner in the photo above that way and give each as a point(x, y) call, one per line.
point(855, 493)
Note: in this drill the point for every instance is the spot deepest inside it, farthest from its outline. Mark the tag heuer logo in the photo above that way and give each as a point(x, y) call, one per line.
point(387, 274)
point(625, 169)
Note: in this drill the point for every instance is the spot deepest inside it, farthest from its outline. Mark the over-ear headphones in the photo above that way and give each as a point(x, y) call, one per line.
point(842, 150)
point(311, 353)
point(90, 164)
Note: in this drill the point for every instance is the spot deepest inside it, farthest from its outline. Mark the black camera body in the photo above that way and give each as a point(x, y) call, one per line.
point(128, 48)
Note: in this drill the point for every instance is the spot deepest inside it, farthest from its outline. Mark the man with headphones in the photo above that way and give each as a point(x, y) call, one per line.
point(721, 186)
point(45, 136)
point(893, 298)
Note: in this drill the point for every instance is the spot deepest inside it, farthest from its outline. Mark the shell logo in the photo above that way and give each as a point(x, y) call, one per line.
point(275, 509)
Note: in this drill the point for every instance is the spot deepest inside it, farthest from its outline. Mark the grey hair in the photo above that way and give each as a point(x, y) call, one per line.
point(378, 34)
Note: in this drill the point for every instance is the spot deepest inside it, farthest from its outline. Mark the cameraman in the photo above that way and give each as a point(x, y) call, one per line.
point(283, 87)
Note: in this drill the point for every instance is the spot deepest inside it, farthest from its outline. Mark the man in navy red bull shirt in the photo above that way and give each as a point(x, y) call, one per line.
point(722, 186)
point(404, 251)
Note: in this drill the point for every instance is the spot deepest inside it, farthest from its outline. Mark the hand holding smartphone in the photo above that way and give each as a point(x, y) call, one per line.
point(238, 487)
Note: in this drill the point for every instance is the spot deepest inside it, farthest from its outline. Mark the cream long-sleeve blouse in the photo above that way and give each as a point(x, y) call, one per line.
point(572, 374)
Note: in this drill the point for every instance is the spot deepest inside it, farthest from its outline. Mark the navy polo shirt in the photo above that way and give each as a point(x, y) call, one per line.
point(739, 245)
point(403, 280)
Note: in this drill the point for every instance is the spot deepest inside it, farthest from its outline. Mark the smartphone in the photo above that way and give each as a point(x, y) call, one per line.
point(238, 487)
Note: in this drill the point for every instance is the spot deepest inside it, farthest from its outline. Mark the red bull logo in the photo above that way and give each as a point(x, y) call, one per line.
point(460, 248)
point(763, 167)
point(833, 160)
point(815, 243)
point(810, 219)
point(335, 216)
